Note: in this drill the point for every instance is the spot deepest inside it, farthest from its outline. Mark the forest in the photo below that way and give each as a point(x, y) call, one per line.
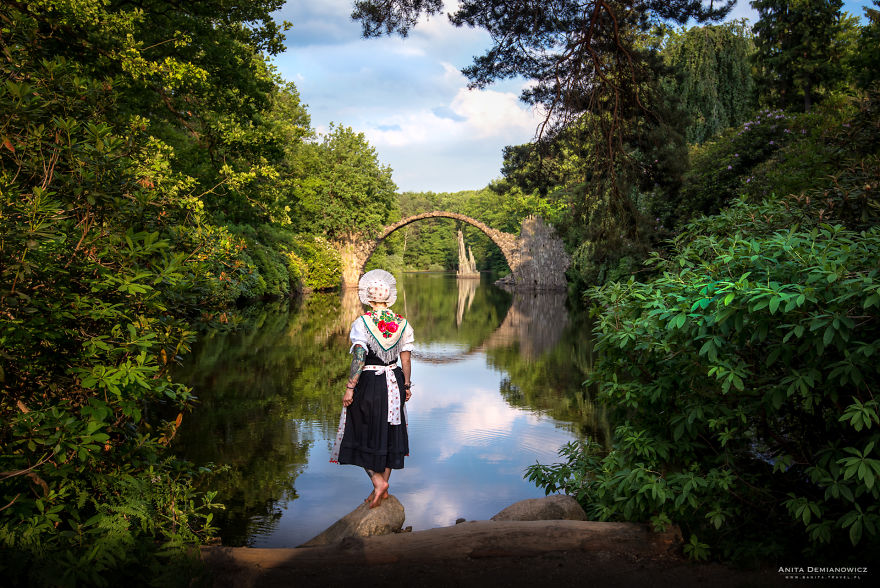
point(715, 183)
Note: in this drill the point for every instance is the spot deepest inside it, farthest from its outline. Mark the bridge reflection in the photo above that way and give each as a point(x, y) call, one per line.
point(535, 321)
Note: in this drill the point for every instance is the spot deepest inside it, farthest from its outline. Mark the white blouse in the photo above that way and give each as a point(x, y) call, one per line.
point(360, 335)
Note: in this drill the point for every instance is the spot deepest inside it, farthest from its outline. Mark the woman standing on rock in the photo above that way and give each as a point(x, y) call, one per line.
point(372, 429)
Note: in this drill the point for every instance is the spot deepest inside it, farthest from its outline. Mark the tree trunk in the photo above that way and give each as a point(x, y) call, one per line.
point(808, 98)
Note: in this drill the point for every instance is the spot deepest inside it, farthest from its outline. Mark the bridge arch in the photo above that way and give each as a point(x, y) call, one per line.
point(536, 257)
point(505, 241)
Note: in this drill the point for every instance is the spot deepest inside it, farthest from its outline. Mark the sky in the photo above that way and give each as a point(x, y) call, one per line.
point(408, 96)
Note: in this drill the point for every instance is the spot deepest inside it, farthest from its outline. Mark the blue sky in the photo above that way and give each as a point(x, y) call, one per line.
point(407, 95)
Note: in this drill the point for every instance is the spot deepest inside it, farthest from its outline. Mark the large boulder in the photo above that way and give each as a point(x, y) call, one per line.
point(558, 507)
point(363, 521)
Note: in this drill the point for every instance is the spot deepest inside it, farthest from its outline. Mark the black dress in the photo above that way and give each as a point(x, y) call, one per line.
point(369, 440)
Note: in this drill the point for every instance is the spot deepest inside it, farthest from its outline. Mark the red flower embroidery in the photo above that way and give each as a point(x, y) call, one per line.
point(386, 321)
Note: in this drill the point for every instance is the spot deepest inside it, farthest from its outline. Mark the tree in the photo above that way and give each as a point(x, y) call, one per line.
point(346, 189)
point(797, 50)
point(126, 126)
point(712, 76)
point(865, 63)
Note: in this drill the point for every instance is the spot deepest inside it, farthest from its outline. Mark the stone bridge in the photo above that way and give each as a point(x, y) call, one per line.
point(536, 257)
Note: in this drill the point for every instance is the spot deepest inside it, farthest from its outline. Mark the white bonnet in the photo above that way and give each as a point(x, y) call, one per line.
point(377, 286)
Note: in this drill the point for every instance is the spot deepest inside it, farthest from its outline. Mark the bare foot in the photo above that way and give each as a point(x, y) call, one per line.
point(380, 490)
point(370, 497)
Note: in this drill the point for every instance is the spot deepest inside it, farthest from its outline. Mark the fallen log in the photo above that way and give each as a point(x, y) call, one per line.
point(484, 553)
point(478, 539)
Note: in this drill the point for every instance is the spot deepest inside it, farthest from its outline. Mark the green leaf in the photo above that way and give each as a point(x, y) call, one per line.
point(828, 337)
point(855, 531)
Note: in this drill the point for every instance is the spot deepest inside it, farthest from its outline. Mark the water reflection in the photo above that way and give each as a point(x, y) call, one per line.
point(467, 289)
point(497, 385)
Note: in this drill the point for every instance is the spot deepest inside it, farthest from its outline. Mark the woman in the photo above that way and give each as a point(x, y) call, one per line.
point(372, 429)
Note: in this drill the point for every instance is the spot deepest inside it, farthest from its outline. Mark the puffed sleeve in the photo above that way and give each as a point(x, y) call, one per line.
point(407, 340)
point(358, 334)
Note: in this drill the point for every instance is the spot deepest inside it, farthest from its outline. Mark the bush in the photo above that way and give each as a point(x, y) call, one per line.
point(381, 259)
point(840, 130)
point(777, 154)
point(743, 378)
point(721, 169)
point(322, 261)
point(100, 257)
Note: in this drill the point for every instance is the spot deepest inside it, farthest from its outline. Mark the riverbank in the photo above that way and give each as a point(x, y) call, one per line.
point(485, 553)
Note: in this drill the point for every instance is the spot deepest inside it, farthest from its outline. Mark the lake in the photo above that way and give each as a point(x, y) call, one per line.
point(497, 386)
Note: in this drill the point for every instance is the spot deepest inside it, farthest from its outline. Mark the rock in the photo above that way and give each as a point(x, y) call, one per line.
point(460, 521)
point(558, 507)
point(507, 280)
point(363, 521)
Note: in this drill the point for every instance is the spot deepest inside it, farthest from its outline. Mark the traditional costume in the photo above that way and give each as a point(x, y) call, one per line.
point(372, 429)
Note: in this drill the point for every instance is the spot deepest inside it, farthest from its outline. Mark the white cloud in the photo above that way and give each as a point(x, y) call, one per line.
point(438, 505)
point(406, 95)
point(485, 417)
point(471, 115)
point(493, 113)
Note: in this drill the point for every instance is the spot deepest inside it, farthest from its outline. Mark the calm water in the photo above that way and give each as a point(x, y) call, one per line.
point(497, 385)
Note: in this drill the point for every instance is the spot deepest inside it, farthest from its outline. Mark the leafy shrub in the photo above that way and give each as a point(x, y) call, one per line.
point(841, 130)
point(743, 379)
point(381, 259)
point(777, 153)
point(297, 269)
point(322, 260)
point(273, 270)
point(721, 169)
point(99, 259)
point(590, 265)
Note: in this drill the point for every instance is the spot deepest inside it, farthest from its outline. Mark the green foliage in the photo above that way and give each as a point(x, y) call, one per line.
point(799, 50)
point(864, 63)
point(280, 263)
point(833, 147)
point(346, 189)
point(595, 194)
point(722, 169)
point(601, 253)
point(743, 377)
point(741, 366)
point(322, 263)
point(830, 142)
point(93, 272)
point(713, 78)
point(107, 247)
point(742, 373)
